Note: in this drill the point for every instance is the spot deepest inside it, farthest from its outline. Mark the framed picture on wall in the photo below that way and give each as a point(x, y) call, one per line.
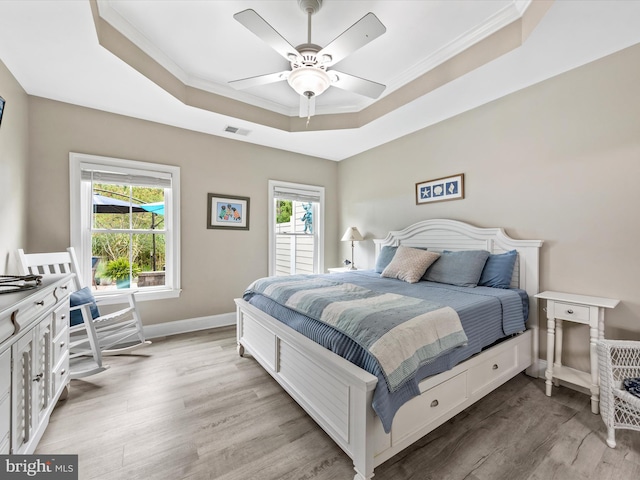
point(227, 212)
point(447, 188)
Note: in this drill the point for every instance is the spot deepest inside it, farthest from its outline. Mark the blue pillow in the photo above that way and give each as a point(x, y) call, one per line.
point(80, 298)
point(461, 268)
point(498, 271)
point(384, 258)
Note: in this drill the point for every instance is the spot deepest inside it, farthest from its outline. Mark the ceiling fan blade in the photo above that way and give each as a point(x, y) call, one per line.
point(259, 80)
point(259, 27)
point(357, 85)
point(307, 106)
point(366, 29)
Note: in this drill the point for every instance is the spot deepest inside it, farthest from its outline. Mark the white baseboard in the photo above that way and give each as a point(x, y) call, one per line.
point(189, 325)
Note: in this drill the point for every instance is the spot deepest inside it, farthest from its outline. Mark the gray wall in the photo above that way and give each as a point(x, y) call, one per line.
point(217, 265)
point(14, 150)
point(559, 161)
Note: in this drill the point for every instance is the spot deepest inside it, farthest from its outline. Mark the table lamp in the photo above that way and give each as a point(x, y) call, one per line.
point(352, 235)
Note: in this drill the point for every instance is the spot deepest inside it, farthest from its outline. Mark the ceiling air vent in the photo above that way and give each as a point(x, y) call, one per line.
point(236, 130)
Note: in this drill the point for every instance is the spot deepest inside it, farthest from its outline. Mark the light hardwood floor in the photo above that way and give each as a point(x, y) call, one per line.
point(188, 407)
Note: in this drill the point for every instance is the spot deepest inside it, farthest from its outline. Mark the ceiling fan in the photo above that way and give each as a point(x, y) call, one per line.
point(309, 75)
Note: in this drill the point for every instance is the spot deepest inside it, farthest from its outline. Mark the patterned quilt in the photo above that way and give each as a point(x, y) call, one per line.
point(402, 333)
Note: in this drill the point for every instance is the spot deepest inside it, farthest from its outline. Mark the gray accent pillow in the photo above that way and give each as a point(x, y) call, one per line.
point(385, 257)
point(409, 264)
point(461, 268)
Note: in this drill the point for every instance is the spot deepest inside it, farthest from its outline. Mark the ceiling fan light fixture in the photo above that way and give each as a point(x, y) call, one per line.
point(309, 81)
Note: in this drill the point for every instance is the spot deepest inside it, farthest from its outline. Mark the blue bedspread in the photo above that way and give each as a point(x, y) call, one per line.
point(401, 332)
point(487, 315)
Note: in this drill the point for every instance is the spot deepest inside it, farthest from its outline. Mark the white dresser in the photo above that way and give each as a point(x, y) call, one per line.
point(34, 360)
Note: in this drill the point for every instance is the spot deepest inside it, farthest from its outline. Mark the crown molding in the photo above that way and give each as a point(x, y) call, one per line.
point(500, 34)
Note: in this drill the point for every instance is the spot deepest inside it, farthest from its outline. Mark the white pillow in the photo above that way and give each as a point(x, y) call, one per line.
point(409, 264)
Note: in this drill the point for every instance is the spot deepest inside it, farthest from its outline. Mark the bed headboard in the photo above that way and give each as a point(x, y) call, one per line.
point(442, 234)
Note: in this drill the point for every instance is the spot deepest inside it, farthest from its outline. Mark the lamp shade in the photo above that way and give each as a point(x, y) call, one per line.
point(352, 235)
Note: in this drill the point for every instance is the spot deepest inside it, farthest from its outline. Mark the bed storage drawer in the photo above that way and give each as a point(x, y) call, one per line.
point(499, 364)
point(429, 406)
point(484, 375)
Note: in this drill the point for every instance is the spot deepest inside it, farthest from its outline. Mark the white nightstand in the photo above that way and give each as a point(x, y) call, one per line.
point(579, 309)
point(341, 269)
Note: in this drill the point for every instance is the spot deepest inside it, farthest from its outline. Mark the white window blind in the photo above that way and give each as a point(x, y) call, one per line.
point(297, 194)
point(139, 178)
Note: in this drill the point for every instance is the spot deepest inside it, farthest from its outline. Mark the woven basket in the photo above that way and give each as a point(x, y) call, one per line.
point(617, 360)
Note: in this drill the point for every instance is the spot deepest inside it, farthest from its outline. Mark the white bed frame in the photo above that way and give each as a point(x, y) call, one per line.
point(338, 395)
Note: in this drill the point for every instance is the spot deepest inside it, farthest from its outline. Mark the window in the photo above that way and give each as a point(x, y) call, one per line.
point(296, 228)
point(125, 224)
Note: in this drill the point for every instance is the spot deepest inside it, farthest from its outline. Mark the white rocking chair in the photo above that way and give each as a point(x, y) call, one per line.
point(97, 334)
point(617, 360)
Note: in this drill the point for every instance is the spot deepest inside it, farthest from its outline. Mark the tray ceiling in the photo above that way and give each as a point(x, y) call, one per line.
point(171, 61)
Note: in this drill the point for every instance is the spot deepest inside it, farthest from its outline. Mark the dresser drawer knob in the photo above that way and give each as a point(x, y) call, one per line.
point(38, 377)
point(570, 312)
point(495, 366)
point(434, 403)
point(41, 303)
point(61, 344)
point(62, 372)
point(62, 317)
point(64, 287)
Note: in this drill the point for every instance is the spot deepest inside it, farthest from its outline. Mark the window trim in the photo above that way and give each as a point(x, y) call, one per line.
point(81, 238)
point(320, 225)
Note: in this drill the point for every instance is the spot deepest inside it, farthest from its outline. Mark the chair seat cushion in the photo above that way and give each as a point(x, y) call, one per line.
point(82, 297)
point(632, 385)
